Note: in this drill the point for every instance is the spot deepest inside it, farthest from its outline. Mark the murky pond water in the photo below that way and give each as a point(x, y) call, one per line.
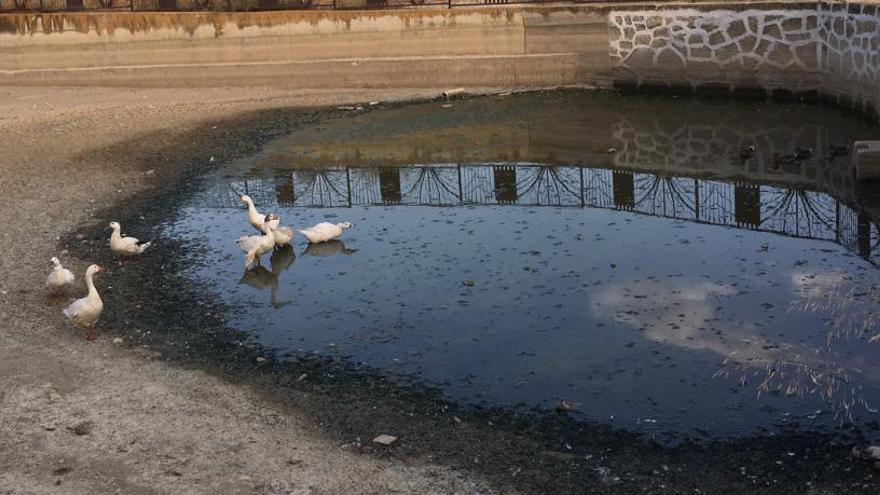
point(616, 253)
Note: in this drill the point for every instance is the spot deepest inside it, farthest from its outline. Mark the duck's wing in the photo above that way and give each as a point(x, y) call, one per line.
point(129, 241)
point(283, 234)
point(75, 308)
point(248, 243)
point(59, 278)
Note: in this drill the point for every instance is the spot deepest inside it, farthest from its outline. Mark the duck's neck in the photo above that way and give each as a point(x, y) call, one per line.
point(251, 208)
point(93, 292)
point(116, 234)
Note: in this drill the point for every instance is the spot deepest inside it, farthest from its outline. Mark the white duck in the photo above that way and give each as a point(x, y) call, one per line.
point(86, 311)
point(60, 279)
point(125, 246)
point(283, 235)
point(255, 218)
point(255, 246)
point(325, 231)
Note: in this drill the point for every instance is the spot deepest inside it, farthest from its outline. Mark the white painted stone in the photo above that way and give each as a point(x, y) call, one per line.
point(385, 440)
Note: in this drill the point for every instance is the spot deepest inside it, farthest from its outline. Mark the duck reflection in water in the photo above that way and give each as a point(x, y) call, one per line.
point(261, 278)
point(328, 248)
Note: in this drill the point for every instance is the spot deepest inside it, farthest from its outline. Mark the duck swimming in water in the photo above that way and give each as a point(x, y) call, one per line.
point(325, 231)
point(255, 218)
point(255, 246)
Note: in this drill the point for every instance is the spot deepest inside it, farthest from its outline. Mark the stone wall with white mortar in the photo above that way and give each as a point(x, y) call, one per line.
point(831, 48)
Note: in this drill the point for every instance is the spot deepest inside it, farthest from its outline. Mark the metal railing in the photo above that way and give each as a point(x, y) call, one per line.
point(38, 6)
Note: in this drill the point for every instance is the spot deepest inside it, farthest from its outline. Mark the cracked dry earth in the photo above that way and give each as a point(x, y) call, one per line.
point(144, 425)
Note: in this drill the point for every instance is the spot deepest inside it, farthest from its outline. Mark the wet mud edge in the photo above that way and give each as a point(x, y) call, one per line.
point(543, 451)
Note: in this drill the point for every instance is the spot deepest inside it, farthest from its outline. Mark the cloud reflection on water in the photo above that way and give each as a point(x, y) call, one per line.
point(691, 315)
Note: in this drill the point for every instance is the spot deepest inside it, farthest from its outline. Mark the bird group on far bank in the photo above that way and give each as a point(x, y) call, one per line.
point(799, 155)
point(85, 312)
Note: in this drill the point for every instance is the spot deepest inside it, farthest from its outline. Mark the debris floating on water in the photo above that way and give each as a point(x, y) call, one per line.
point(449, 93)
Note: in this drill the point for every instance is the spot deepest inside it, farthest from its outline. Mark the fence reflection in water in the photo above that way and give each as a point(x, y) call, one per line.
point(792, 211)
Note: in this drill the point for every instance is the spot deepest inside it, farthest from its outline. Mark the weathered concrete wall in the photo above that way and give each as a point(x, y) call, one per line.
point(828, 47)
point(485, 47)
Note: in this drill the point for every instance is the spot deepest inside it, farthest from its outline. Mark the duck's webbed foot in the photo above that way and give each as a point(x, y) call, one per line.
point(91, 334)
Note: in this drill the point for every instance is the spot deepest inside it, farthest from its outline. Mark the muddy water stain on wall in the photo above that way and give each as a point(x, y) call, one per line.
point(191, 22)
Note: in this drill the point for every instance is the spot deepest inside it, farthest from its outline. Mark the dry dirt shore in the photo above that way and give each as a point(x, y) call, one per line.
point(157, 428)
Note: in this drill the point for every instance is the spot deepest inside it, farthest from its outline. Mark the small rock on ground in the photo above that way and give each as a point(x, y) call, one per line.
point(385, 440)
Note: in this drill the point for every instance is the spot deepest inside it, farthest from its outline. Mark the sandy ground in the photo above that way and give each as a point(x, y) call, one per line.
point(155, 428)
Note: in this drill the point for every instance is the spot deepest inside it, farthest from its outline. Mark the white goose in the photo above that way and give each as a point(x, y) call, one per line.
point(86, 311)
point(255, 218)
point(125, 246)
point(255, 246)
point(325, 231)
point(60, 279)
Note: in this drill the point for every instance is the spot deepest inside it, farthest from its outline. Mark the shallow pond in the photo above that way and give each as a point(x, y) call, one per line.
point(613, 252)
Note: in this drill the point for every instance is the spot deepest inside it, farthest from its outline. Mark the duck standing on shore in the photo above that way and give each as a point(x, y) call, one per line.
point(325, 231)
point(60, 279)
point(85, 312)
point(125, 246)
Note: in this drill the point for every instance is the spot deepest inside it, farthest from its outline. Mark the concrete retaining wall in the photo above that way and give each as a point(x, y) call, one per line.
point(827, 47)
point(485, 47)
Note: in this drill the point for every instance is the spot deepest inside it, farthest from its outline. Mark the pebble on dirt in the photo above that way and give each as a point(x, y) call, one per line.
point(83, 428)
point(385, 440)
